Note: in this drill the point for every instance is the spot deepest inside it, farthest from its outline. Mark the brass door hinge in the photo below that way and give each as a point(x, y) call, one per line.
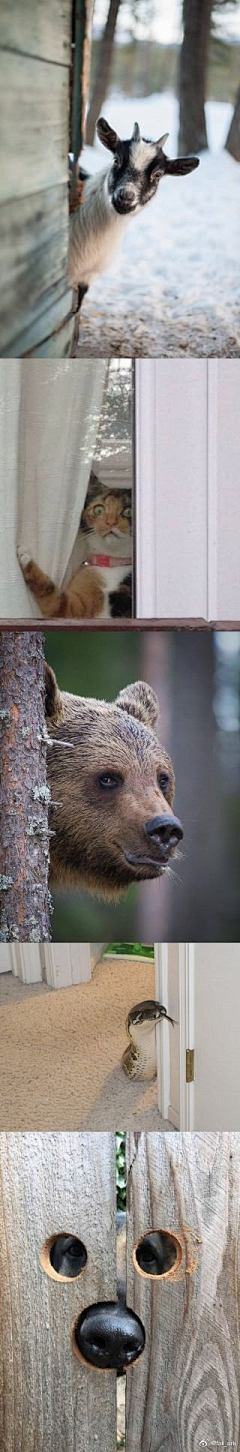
point(189, 1066)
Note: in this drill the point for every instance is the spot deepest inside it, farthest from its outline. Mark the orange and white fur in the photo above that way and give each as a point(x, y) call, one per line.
point(100, 561)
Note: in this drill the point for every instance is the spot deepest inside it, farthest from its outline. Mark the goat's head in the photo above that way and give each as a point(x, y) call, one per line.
point(138, 167)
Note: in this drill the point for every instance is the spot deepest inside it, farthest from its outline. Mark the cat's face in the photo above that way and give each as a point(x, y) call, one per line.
point(108, 514)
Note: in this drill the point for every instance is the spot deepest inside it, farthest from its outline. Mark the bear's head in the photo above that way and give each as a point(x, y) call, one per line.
point(112, 787)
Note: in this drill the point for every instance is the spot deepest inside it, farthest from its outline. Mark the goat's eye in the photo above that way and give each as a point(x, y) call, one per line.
point(109, 779)
point(117, 162)
point(163, 781)
point(155, 175)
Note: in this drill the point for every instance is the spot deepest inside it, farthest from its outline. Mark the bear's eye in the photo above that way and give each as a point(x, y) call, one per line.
point(109, 779)
point(163, 780)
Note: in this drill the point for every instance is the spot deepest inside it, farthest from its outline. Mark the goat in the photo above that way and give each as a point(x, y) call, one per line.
point(111, 196)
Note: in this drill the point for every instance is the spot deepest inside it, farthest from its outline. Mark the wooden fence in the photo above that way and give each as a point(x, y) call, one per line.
point(183, 1393)
point(35, 49)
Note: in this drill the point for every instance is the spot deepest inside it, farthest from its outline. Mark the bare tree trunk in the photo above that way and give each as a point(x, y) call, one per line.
point(232, 143)
point(24, 794)
point(103, 70)
point(193, 58)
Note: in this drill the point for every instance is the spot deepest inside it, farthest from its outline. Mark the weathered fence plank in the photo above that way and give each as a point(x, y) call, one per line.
point(35, 296)
point(35, 42)
point(49, 1402)
point(183, 1393)
point(37, 28)
point(35, 109)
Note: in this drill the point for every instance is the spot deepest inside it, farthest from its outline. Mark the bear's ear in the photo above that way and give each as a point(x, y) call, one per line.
point(140, 701)
point(53, 702)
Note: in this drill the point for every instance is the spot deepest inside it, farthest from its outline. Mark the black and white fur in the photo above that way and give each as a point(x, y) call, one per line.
point(114, 195)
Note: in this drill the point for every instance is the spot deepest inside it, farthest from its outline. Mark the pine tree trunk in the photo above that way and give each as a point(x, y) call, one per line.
point(232, 143)
point(193, 59)
point(103, 70)
point(24, 795)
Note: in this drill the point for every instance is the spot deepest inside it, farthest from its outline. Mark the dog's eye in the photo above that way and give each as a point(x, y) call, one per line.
point(163, 780)
point(109, 779)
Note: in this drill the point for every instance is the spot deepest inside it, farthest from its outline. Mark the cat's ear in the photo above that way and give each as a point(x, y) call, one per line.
point(93, 485)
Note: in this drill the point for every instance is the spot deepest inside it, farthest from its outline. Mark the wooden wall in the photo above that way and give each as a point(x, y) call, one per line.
point(50, 1183)
point(183, 1393)
point(36, 299)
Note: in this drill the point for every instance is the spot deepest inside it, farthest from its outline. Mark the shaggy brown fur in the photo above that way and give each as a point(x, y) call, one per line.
point(108, 780)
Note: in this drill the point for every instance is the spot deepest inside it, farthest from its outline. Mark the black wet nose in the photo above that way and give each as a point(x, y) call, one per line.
point(165, 831)
point(126, 194)
point(109, 1335)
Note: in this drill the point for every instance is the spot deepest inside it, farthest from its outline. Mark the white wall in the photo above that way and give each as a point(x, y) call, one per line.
point(217, 1036)
point(188, 497)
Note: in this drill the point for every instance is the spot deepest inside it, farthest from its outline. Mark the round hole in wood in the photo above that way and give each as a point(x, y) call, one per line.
point(63, 1257)
point(158, 1253)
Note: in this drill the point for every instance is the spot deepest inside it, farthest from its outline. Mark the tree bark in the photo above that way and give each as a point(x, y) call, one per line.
point(232, 143)
point(193, 58)
point(103, 70)
point(24, 794)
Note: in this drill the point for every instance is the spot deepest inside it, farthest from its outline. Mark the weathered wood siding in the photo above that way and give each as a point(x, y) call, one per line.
point(50, 1183)
point(35, 44)
point(183, 1393)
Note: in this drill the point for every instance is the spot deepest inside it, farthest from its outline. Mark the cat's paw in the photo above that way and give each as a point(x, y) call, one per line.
point(24, 559)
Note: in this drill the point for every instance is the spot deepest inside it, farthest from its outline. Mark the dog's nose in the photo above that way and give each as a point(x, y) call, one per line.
point(109, 1335)
point(165, 832)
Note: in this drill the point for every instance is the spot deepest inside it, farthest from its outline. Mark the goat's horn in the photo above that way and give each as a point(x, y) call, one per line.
point(162, 139)
point(136, 136)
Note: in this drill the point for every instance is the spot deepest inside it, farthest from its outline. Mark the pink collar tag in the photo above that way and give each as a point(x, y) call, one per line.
point(107, 561)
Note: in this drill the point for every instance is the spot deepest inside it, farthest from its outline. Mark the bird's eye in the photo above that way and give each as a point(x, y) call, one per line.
point(163, 781)
point(109, 780)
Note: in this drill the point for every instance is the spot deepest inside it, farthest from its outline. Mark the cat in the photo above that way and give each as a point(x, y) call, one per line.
point(101, 583)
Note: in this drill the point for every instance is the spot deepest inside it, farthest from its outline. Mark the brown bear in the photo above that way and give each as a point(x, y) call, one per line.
point(112, 789)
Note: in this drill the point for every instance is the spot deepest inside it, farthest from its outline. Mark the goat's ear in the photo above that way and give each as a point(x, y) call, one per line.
point(140, 701)
point(53, 701)
point(109, 138)
point(182, 165)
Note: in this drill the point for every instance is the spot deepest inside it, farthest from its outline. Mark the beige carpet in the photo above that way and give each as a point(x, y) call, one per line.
point(60, 1056)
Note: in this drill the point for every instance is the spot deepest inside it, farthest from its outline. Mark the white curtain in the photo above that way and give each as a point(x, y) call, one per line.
point(49, 425)
point(58, 423)
point(15, 599)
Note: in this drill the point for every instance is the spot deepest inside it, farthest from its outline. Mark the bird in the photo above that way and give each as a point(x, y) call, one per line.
point(139, 1060)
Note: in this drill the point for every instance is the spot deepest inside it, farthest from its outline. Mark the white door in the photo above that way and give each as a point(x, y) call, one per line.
point(198, 1061)
point(187, 469)
point(5, 958)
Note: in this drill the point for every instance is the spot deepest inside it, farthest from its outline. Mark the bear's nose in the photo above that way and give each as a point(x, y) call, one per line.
point(165, 832)
point(109, 1335)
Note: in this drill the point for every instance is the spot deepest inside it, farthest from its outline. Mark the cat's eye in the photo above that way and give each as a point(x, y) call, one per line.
point(98, 509)
point(126, 512)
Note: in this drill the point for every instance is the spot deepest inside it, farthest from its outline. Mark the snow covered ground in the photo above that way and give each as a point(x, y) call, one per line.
point(174, 288)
